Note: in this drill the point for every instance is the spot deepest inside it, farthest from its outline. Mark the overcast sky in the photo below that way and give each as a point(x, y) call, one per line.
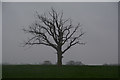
point(0, 32)
point(100, 22)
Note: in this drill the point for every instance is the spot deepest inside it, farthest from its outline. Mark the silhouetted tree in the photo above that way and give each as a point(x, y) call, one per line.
point(52, 30)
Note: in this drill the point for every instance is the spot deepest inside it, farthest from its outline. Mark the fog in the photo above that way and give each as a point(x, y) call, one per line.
point(100, 22)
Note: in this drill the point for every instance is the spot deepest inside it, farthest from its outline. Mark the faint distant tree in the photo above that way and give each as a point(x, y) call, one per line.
point(105, 64)
point(6, 63)
point(47, 63)
point(53, 30)
point(70, 62)
point(78, 63)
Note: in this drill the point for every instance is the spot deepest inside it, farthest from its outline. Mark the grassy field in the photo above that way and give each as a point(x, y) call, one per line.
point(0, 71)
point(41, 71)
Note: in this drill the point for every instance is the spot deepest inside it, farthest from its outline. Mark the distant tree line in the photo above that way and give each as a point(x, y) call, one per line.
point(74, 63)
point(71, 62)
point(47, 62)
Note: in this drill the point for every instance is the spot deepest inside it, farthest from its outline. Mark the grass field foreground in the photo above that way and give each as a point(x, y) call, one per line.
point(52, 71)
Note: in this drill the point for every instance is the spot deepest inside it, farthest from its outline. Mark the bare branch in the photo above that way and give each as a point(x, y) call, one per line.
point(74, 41)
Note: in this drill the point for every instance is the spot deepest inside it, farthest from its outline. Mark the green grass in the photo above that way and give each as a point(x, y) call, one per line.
point(0, 71)
point(41, 71)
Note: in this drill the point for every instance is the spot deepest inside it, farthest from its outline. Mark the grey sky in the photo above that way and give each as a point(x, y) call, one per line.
point(100, 22)
point(1, 32)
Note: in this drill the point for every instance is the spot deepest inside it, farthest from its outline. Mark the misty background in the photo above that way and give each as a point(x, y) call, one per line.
point(100, 22)
point(1, 32)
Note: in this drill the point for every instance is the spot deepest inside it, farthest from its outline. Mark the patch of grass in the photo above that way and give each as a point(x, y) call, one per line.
point(52, 71)
point(0, 71)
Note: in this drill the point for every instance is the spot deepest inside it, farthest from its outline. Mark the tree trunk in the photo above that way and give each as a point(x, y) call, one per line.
point(59, 59)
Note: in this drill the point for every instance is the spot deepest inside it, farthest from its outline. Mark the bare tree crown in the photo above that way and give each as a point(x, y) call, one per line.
point(54, 31)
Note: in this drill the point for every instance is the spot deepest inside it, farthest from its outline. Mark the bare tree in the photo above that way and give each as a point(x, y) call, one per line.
point(53, 30)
